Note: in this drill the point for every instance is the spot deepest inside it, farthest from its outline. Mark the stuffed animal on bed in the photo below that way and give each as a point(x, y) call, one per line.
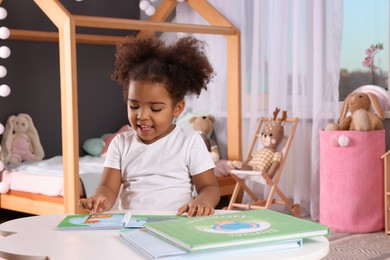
point(267, 159)
point(205, 125)
point(98, 146)
point(21, 140)
point(361, 118)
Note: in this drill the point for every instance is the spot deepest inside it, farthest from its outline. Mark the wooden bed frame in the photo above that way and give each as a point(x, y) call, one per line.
point(67, 39)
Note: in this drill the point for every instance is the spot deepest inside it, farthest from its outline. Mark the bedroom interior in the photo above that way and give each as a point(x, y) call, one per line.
point(68, 37)
point(85, 36)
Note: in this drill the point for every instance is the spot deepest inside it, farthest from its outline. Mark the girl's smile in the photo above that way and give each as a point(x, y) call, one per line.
point(151, 110)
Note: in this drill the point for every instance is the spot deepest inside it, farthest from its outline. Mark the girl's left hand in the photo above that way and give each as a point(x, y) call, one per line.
point(196, 209)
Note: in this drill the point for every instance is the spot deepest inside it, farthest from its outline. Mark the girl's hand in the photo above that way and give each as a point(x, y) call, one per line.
point(196, 209)
point(94, 204)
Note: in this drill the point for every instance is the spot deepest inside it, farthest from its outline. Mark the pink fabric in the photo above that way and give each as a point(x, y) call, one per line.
point(352, 181)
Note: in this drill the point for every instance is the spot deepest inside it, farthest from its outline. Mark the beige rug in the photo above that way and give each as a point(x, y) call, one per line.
point(374, 246)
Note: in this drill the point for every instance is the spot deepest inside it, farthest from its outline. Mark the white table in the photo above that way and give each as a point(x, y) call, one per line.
point(36, 238)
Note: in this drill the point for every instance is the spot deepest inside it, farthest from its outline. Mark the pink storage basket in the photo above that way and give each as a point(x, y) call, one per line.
point(352, 181)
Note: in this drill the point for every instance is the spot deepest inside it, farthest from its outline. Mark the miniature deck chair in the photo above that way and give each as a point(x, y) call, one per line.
point(261, 177)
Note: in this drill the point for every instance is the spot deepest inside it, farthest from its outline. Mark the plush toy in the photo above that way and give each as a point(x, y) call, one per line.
point(360, 117)
point(267, 159)
point(205, 125)
point(20, 140)
point(98, 146)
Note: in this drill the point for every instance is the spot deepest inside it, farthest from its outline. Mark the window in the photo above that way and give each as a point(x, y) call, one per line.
point(366, 23)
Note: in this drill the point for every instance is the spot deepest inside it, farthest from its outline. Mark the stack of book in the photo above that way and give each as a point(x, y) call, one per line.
point(229, 233)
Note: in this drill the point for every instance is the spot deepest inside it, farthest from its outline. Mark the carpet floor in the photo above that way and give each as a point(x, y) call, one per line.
point(369, 246)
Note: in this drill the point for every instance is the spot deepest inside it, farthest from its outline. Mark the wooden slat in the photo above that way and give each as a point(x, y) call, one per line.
point(54, 10)
point(69, 107)
point(31, 203)
point(42, 36)
point(234, 132)
point(129, 24)
point(69, 112)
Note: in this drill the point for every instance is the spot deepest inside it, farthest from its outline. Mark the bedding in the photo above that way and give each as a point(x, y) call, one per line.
point(46, 176)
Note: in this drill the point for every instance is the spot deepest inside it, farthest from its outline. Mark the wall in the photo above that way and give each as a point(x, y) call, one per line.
point(33, 73)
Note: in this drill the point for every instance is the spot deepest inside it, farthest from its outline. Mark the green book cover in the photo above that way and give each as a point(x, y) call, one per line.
point(235, 229)
point(108, 221)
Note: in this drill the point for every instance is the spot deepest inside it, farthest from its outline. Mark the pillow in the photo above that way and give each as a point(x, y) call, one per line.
point(93, 146)
point(108, 138)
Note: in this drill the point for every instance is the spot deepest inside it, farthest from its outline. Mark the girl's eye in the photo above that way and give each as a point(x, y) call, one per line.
point(133, 107)
point(156, 109)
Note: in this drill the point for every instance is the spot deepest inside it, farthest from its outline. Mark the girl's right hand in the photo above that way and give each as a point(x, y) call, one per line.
point(94, 204)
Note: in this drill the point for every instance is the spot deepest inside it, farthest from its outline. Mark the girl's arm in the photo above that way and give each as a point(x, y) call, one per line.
point(105, 194)
point(208, 195)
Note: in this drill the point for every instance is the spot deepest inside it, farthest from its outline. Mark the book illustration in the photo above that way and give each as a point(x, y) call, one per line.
point(99, 220)
point(93, 221)
point(109, 221)
point(236, 227)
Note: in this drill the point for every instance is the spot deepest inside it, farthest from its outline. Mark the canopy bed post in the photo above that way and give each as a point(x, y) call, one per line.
point(69, 107)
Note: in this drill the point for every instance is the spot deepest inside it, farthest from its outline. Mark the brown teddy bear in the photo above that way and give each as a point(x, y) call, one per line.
point(267, 159)
point(361, 118)
point(20, 140)
point(205, 125)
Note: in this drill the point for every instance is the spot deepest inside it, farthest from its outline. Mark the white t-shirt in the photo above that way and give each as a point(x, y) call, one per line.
point(157, 176)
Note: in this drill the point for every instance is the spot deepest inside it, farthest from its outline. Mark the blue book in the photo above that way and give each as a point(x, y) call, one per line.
point(153, 247)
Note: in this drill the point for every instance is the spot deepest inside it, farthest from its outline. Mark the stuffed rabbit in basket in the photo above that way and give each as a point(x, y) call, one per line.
point(361, 118)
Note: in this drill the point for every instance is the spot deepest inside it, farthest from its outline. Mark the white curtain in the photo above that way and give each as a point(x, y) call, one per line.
point(290, 59)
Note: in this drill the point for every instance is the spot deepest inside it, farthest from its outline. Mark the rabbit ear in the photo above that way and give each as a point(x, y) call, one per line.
point(6, 141)
point(192, 119)
point(376, 105)
point(344, 108)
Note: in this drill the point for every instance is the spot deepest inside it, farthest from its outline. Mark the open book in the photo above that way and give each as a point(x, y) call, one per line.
point(243, 228)
point(108, 221)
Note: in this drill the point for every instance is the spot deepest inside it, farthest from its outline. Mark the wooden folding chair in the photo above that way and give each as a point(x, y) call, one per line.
point(262, 177)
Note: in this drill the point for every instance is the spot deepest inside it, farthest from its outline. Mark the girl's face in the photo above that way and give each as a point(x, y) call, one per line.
point(151, 110)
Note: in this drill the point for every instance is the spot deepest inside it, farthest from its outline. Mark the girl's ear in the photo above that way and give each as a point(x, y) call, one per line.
point(179, 108)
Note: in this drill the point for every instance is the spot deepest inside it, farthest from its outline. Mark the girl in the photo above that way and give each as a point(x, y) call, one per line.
point(158, 163)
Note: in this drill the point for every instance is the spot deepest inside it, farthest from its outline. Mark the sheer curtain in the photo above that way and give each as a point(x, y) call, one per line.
point(290, 59)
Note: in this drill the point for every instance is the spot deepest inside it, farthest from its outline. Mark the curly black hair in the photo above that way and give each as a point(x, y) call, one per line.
point(182, 67)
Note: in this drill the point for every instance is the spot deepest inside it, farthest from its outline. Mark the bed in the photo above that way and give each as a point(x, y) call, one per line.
point(46, 177)
point(66, 23)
